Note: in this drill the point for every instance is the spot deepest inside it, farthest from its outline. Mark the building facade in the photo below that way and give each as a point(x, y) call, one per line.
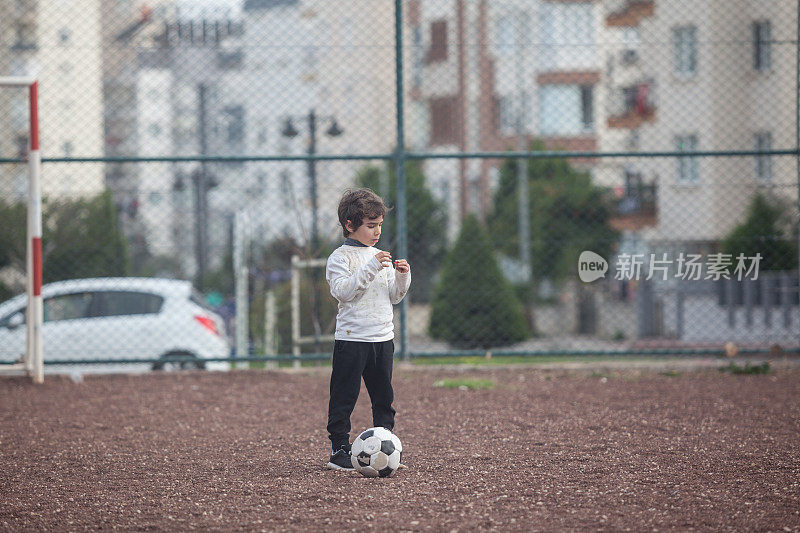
point(45, 40)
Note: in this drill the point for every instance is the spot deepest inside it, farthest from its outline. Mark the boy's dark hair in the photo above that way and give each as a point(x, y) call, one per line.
point(358, 204)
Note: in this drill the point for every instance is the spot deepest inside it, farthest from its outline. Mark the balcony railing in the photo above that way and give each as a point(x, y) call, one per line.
point(631, 106)
point(636, 206)
point(630, 13)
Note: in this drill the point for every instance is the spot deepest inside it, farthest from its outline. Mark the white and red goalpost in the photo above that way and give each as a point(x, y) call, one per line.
point(33, 362)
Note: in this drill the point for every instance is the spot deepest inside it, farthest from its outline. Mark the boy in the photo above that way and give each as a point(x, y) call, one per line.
point(366, 286)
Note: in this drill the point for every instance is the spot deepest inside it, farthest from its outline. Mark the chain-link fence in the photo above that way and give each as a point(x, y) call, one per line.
point(616, 176)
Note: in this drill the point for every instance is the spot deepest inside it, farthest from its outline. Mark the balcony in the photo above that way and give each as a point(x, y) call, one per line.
point(632, 106)
point(635, 204)
point(230, 59)
point(631, 13)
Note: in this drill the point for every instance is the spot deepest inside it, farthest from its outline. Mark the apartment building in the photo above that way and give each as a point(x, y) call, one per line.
point(179, 84)
point(163, 64)
point(622, 75)
point(722, 79)
point(47, 40)
point(335, 60)
point(492, 76)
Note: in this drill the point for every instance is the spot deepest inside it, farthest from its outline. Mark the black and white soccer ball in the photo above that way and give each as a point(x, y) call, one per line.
point(376, 453)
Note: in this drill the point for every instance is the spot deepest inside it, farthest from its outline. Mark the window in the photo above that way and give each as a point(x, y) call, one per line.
point(67, 307)
point(687, 165)
point(233, 118)
point(120, 303)
point(418, 53)
point(684, 40)
point(631, 38)
point(631, 42)
point(587, 107)
point(67, 148)
point(21, 144)
point(443, 119)
point(230, 59)
point(438, 50)
point(507, 113)
point(566, 109)
point(64, 35)
point(25, 37)
point(510, 32)
point(506, 34)
point(761, 45)
point(568, 40)
point(763, 141)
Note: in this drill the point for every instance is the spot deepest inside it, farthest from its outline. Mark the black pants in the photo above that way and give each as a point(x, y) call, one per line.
point(351, 361)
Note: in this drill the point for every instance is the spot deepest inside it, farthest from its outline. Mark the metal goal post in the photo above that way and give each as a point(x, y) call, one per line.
point(32, 362)
point(298, 339)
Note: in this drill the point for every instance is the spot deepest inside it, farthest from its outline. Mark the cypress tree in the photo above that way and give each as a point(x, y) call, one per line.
point(473, 305)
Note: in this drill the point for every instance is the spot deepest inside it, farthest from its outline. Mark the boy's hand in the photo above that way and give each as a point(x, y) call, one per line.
point(384, 258)
point(402, 266)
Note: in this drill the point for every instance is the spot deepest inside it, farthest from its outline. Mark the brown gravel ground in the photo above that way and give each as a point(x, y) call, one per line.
point(544, 450)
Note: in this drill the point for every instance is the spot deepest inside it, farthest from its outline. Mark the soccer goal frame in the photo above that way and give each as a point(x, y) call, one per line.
point(297, 339)
point(32, 361)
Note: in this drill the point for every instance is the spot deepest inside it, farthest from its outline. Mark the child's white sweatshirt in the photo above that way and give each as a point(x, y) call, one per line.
point(366, 291)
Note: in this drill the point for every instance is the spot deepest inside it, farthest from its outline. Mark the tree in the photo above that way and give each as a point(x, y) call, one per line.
point(83, 239)
point(80, 238)
point(12, 243)
point(473, 304)
point(764, 231)
point(13, 237)
point(427, 222)
point(568, 214)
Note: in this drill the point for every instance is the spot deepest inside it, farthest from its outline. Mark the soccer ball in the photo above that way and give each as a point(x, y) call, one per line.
point(376, 453)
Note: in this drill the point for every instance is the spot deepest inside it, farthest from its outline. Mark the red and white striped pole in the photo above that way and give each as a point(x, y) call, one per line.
point(33, 362)
point(35, 310)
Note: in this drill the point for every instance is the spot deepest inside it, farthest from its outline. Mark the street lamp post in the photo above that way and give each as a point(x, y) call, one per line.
point(290, 131)
point(522, 163)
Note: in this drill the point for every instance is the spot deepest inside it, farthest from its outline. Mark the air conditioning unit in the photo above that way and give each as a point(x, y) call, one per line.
point(630, 56)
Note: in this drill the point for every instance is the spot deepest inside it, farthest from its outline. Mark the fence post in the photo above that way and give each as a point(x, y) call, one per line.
point(240, 238)
point(270, 346)
point(400, 167)
point(797, 130)
point(296, 310)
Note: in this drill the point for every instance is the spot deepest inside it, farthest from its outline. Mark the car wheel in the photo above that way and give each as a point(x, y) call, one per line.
point(173, 361)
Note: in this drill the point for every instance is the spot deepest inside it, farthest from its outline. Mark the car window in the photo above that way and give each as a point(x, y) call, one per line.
point(5, 320)
point(118, 303)
point(67, 306)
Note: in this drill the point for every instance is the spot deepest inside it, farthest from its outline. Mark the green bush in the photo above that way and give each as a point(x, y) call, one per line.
point(473, 305)
point(768, 230)
point(568, 214)
point(81, 238)
point(733, 368)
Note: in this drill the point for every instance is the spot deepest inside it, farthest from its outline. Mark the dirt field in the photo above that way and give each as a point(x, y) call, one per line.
point(544, 450)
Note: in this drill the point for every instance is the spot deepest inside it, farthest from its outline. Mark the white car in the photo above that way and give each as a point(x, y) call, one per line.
point(119, 319)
